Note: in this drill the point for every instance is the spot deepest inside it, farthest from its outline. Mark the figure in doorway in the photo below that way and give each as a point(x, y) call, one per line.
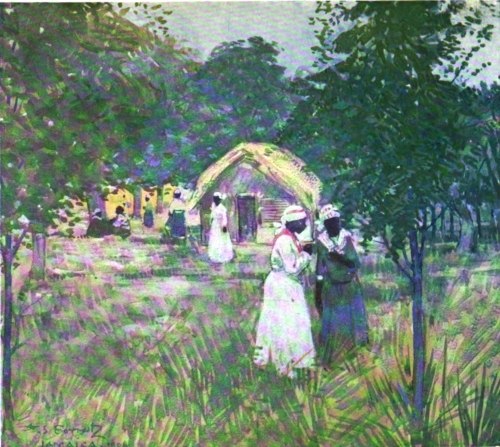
point(220, 247)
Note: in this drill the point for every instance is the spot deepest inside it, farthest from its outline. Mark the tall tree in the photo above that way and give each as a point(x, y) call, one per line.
point(248, 91)
point(165, 144)
point(63, 100)
point(478, 181)
point(383, 117)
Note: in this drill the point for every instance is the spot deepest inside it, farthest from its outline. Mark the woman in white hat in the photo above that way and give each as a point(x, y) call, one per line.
point(220, 247)
point(343, 320)
point(284, 328)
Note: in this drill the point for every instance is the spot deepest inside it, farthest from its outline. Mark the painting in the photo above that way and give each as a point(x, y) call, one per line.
point(250, 223)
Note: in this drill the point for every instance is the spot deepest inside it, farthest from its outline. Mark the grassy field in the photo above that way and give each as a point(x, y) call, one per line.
point(140, 344)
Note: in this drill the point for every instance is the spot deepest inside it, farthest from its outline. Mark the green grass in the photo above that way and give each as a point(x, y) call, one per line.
point(162, 360)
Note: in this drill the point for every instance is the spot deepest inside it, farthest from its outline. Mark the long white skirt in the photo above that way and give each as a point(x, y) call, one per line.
point(284, 335)
point(220, 247)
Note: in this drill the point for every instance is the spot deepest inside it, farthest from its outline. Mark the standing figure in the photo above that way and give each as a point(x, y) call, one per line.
point(343, 315)
point(121, 223)
point(176, 222)
point(148, 219)
point(220, 248)
point(284, 329)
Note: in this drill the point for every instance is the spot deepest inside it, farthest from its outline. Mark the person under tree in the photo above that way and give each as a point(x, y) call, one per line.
point(338, 289)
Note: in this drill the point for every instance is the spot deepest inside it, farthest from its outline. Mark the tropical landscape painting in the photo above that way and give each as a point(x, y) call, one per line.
point(263, 223)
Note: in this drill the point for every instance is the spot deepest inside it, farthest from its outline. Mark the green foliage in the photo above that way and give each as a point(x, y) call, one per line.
point(386, 129)
point(195, 384)
point(477, 174)
point(66, 103)
point(245, 87)
point(378, 122)
point(478, 410)
point(152, 16)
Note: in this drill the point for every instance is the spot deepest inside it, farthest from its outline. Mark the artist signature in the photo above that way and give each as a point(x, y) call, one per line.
point(81, 444)
point(93, 430)
point(71, 435)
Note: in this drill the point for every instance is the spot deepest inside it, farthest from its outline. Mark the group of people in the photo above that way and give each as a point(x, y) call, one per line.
point(118, 225)
point(284, 335)
point(175, 226)
point(174, 230)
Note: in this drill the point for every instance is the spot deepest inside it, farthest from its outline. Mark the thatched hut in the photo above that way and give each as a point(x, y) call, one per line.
point(259, 180)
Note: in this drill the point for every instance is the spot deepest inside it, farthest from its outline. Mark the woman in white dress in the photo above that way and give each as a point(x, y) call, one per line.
point(284, 329)
point(220, 247)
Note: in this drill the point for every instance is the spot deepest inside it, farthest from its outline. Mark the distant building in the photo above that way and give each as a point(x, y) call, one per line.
point(119, 197)
point(260, 181)
point(122, 197)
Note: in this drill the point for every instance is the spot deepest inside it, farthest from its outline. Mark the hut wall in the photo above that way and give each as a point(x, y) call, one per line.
point(119, 197)
point(244, 178)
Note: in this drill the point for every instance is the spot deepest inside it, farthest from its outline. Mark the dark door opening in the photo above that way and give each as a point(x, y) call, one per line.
point(247, 218)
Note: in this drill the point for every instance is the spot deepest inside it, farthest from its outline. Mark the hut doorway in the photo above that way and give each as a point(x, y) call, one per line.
point(247, 217)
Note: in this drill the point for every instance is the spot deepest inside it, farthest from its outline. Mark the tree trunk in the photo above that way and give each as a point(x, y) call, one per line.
point(443, 224)
point(452, 225)
point(468, 242)
point(8, 408)
point(433, 223)
point(159, 201)
point(418, 338)
point(39, 256)
point(477, 209)
point(495, 223)
point(137, 202)
point(95, 200)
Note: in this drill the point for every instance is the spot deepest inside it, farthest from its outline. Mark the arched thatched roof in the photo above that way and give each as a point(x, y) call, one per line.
point(277, 163)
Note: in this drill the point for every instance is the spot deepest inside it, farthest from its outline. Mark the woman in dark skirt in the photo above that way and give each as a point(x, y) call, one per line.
point(148, 218)
point(343, 316)
point(177, 217)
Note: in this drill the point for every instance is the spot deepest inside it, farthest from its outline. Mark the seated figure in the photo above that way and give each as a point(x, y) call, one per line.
point(120, 223)
point(98, 227)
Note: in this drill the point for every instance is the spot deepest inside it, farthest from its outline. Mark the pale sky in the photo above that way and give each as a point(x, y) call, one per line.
point(203, 25)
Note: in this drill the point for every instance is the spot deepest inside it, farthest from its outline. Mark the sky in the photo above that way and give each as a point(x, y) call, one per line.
point(203, 25)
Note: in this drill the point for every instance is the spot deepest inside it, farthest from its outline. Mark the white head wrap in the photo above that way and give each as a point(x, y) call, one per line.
point(293, 212)
point(220, 195)
point(328, 212)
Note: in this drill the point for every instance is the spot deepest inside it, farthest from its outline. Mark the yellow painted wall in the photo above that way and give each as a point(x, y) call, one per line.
point(168, 196)
point(119, 197)
point(116, 198)
point(168, 193)
point(152, 198)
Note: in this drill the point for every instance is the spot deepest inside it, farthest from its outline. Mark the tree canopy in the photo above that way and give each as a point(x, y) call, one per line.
point(385, 123)
point(246, 90)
